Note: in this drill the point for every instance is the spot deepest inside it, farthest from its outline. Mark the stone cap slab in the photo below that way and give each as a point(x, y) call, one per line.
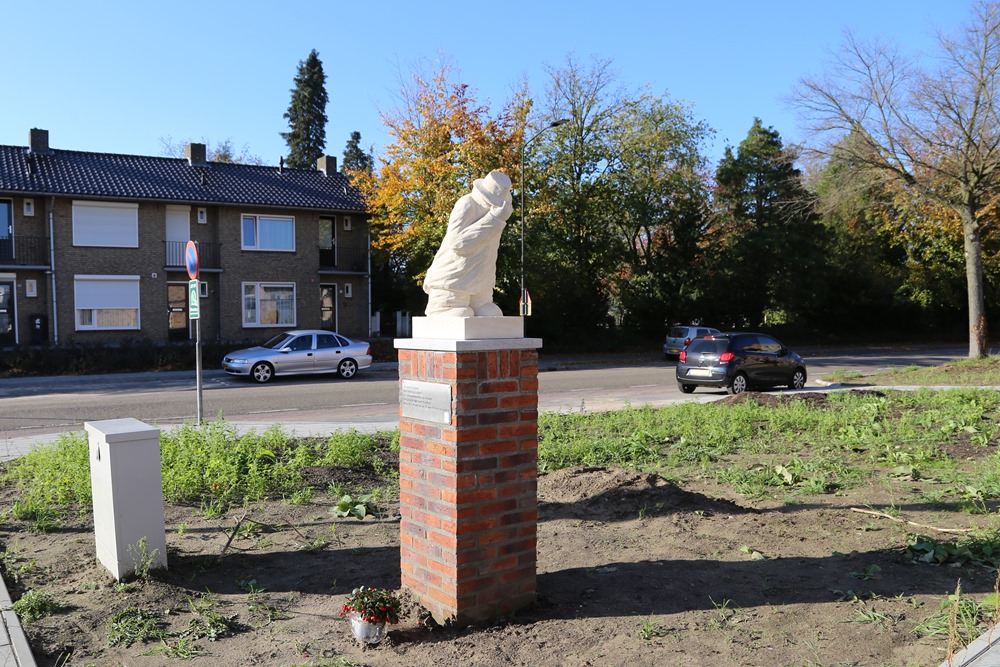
point(468, 328)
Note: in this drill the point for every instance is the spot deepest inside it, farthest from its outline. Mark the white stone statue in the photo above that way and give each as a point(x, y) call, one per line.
point(461, 279)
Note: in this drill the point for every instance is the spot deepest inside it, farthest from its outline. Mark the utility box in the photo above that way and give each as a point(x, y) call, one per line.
point(128, 496)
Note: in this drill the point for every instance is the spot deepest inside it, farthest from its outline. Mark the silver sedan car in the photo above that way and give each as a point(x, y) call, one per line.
point(300, 351)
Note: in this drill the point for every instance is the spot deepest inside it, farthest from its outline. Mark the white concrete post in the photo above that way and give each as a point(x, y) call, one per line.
point(127, 488)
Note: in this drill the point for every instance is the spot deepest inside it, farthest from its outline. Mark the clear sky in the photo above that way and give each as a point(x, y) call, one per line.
point(121, 76)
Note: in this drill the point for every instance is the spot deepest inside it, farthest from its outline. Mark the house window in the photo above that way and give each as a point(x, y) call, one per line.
point(105, 224)
point(262, 232)
point(268, 304)
point(106, 302)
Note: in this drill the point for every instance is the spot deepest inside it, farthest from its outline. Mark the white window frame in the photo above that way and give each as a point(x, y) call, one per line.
point(347, 223)
point(348, 290)
point(104, 224)
point(95, 293)
point(255, 243)
point(254, 321)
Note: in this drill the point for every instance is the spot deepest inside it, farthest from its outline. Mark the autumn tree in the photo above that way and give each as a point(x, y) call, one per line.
point(442, 140)
point(866, 265)
point(659, 196)
point(306, 115)
point(932, 132)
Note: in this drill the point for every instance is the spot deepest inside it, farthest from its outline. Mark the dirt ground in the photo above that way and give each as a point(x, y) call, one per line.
point(632, 570)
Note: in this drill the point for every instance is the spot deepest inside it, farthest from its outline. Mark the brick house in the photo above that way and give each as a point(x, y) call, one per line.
point(92, 248)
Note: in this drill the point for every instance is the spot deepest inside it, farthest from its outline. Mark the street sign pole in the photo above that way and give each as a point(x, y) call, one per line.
point(194, 313)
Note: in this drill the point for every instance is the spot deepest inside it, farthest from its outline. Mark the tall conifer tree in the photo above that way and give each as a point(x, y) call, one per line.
point(306, 114)
point(355, 157)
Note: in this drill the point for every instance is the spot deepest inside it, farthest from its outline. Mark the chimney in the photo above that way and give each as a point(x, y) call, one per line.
point(38, 141)
point(195, 153)
point(327, 164)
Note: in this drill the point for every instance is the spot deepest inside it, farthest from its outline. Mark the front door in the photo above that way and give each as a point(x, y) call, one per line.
point(328, 307)
point(7, 314)
point(179, 327)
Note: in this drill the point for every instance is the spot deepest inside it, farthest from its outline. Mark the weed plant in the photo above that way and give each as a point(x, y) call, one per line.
point(791, 447)
point(36, 604)
point(209, 465)
point(55, 476)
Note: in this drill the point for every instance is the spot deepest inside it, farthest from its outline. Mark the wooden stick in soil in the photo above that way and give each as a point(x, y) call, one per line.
point(911, 523)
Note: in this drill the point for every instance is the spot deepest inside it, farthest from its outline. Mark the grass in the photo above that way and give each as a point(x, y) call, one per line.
point(984, 372)
point(789, 448)
point(210, 466)
point(783, 449)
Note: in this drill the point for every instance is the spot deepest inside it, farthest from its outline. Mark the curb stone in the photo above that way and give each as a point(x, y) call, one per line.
point(983, 652)
point(14, 648)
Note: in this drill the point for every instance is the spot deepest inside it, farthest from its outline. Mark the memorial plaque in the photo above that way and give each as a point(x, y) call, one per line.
point(428, 401)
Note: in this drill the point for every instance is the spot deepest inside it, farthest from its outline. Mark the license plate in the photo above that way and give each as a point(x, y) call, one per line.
point(674, 350)
point(700, 372)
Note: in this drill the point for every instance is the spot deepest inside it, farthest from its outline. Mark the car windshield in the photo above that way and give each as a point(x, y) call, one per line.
point(708, 346)
point(277, 341)
point(678, 332)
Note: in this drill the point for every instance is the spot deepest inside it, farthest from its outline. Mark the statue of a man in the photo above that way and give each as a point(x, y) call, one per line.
point(461, 279)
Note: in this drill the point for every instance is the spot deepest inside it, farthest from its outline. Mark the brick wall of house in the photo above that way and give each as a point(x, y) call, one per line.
point(221, 311)
point(468, 489)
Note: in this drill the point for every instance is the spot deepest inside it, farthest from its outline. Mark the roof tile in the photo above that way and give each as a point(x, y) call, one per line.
point(109, 175)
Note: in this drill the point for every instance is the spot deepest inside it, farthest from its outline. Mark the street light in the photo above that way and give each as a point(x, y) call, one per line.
point(524, 294)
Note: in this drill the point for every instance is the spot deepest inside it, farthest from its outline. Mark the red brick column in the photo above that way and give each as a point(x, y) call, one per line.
point(468, 487)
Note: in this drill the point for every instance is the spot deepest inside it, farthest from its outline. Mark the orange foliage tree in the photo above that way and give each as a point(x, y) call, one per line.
point(442, 141)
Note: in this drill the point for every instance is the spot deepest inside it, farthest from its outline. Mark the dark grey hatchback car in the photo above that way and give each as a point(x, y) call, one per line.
point(738, 361)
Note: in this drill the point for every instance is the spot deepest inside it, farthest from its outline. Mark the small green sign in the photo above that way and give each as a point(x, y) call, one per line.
point(193, 300)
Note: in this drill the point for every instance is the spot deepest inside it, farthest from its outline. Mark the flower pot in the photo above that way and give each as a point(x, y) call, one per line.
point(365, 632)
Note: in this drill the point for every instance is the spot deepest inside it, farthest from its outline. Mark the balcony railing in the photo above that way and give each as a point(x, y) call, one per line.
point(354, 260)
point(208, 255)
point(21, 250)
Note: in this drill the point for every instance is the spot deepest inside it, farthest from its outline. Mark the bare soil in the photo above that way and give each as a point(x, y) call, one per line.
point(632, 570)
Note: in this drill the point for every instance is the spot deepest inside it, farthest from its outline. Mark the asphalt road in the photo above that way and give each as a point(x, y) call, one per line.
point(34, 406)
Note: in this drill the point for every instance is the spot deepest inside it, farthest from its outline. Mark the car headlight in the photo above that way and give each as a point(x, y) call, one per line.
point(237, 361)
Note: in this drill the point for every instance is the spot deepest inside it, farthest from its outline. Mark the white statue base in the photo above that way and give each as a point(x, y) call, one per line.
point(468, 328)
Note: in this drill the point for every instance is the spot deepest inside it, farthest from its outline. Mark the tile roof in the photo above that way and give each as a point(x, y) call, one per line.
point(138, 177)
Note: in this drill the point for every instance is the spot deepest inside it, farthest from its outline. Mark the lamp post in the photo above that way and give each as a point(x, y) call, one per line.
point(524, 294)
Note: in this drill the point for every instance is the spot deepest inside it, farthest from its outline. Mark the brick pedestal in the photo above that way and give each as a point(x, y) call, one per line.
point(468, 470)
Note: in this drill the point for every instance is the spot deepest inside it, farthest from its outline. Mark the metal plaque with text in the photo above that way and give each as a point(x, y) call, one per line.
point(428, 401)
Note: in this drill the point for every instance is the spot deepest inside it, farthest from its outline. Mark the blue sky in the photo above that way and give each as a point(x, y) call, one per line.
point(121, 77)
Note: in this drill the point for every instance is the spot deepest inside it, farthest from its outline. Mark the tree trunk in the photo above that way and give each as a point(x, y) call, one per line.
point(978, 337)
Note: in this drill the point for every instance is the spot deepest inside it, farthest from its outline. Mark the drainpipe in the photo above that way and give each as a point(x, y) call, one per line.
point(52, 270)
point(369, 253)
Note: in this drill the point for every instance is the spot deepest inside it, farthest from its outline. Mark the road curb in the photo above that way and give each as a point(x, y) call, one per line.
point(12, 638)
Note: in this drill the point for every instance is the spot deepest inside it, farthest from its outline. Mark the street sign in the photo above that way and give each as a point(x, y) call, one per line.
point(193, 300)
point(192, 260)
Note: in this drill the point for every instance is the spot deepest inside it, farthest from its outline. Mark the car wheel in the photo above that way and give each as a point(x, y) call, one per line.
point(347, 368)
point(798, 379)
point(686, 388)
point(738, 385)
point(261, 372)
